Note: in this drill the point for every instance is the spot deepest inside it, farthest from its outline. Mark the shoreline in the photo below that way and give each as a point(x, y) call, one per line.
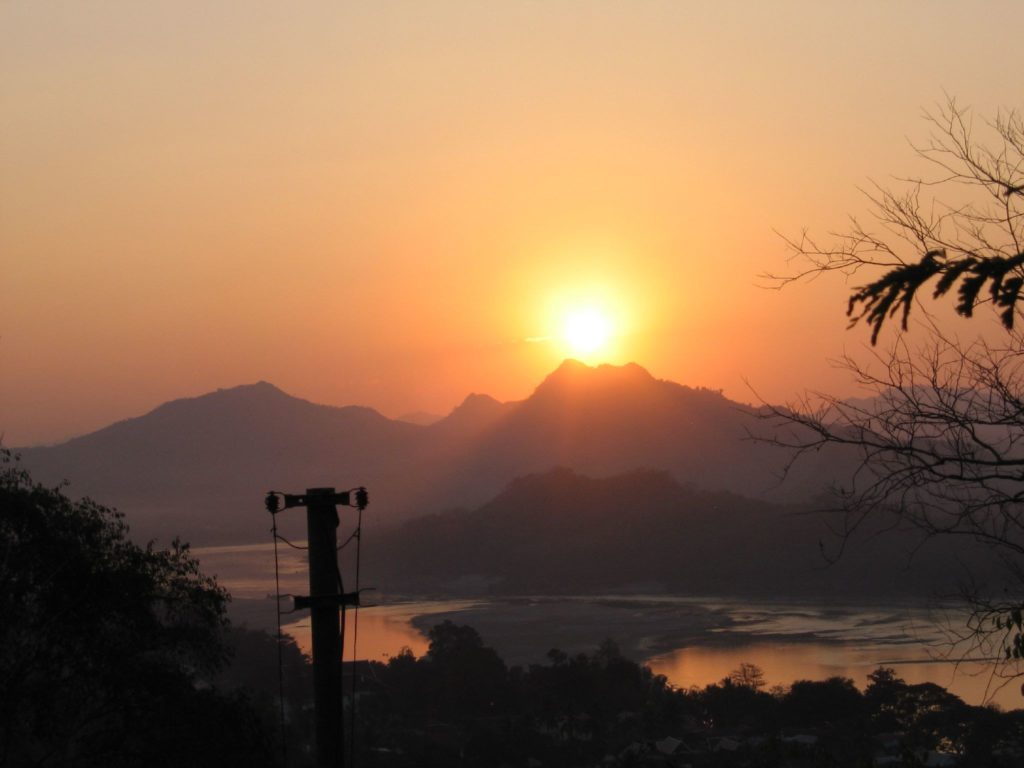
point(693, 641)
point(645, 626)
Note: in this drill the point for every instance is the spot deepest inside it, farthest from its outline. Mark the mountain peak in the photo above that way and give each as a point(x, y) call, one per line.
point(571, 367)
point(474, 406)
point(261, 388)
point(257, 389)
point(259, 392)
point(573, 375)
point(475, 411)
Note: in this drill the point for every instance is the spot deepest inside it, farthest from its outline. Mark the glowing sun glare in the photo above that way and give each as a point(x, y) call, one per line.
point(586, 331)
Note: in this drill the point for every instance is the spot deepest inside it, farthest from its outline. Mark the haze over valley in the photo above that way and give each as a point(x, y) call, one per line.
point(605, 478)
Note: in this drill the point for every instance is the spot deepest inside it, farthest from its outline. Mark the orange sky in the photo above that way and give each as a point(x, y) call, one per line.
point(388, 203)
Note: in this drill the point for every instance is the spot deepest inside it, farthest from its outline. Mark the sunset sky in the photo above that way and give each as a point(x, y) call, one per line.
point(395, 204)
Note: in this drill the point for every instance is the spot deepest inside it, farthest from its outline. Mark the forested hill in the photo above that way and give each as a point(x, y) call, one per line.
point(562, 532)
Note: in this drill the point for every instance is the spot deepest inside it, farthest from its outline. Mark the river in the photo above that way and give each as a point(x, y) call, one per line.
point(692, 640)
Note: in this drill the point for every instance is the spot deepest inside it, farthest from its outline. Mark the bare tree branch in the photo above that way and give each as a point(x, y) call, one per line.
point(939, 443)
point(971, 244)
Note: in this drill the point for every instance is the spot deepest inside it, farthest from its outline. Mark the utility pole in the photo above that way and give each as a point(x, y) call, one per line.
point(326, 597)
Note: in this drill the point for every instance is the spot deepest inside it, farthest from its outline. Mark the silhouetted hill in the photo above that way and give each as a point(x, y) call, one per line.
point(475, 414)
point(199, 466)
point(611, 419)
point(562, 532)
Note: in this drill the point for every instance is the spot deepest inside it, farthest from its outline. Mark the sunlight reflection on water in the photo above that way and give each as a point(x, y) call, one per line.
point(789, 641)
point(783, 663)
point(384, 630)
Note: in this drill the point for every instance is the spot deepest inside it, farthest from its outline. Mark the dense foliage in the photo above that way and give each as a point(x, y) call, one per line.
point(108, 647)
point(459, 705)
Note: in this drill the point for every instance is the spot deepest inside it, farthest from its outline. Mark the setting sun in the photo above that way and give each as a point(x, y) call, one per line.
point(586, 331)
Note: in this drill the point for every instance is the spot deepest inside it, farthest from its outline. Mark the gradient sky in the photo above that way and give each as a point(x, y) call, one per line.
point(393, 203)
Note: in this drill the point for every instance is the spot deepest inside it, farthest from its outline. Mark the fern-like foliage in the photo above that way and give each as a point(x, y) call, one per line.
point(894, 291)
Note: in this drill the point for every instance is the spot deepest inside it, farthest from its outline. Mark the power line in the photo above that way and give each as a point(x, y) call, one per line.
point(280, 645)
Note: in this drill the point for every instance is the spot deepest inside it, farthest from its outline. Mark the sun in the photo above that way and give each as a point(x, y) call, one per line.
point(586, 331)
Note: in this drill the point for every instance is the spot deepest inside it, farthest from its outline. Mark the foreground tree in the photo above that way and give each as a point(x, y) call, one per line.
point(748, 675)
point(940, 445)
point(108, 647)
point(971, 238)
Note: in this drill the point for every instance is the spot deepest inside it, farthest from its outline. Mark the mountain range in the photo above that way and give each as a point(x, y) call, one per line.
point(199, 467)
point(604, 479)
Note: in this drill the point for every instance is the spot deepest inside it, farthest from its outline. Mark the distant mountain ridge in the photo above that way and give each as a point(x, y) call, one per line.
point(200, 466)
point(642, 532)
point(422, 418)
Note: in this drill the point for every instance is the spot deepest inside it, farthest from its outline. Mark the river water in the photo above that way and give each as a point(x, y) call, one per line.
point(692, 640)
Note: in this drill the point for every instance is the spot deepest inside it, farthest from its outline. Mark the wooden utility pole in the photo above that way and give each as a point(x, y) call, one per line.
point(326, 597)
point(324, 591)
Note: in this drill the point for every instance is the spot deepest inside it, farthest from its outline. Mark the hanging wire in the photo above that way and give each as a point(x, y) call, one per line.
point(280, 644)
point(279, 537)
point(347, 541)
point(358, 534)
point(341, 641)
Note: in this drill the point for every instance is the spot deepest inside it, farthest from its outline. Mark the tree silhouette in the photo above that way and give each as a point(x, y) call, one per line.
point(748, 675)
point(940, 445)
point(815, 702)
point(972, 241)
point(107, 645)
point(468, 678)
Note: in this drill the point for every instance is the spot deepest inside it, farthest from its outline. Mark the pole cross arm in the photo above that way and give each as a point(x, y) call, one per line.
point(317, 496)
point(329, 495)
point(344, 599)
